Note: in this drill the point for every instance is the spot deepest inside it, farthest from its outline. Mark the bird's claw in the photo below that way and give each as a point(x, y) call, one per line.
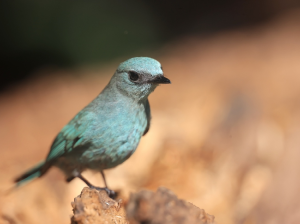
point(111, 193)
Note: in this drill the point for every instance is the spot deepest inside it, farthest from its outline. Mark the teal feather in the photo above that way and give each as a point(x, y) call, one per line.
point(108, 130)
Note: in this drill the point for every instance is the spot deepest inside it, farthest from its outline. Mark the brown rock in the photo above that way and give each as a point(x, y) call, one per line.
point(93, 206)
point(144, 207)
point(162, 207)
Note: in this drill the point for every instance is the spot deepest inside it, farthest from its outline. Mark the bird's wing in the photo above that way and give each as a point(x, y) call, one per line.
point(71, 135)
point(148, 114)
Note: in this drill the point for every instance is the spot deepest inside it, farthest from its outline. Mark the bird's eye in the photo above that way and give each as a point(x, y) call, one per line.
point(134, 76)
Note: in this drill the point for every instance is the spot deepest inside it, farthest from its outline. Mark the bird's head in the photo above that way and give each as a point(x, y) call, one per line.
point(138, 77)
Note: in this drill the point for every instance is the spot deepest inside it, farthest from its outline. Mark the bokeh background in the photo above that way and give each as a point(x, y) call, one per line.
point(224, 136)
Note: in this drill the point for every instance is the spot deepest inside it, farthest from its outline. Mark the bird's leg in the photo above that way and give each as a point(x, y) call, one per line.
point(110, 193)
point(102, 173)
point(85, 181)
point(69, 179)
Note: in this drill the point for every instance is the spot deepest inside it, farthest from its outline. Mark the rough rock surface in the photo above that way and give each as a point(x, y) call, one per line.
point(93, 206)
point(163, 206)
point(144, 207)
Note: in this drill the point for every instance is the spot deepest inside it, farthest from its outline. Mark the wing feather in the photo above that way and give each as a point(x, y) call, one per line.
point(71, 135)
point(148, 114)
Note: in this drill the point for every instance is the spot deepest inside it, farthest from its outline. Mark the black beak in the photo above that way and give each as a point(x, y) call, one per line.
point(160, 79)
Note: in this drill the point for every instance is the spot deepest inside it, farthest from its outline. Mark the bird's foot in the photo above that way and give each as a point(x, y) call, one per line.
point(112, 194)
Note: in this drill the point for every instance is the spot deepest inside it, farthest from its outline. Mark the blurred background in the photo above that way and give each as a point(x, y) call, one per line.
point(224, 136)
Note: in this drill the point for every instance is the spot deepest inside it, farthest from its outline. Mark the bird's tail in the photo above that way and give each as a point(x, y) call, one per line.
point(30, 175)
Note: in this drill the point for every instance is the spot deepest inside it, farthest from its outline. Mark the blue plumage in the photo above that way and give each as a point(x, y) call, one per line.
point(108, 130)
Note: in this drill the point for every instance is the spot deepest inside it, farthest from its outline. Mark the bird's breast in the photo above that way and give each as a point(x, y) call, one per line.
point(116, 138)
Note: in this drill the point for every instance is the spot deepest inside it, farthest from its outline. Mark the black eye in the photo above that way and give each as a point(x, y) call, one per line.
point(134, 76)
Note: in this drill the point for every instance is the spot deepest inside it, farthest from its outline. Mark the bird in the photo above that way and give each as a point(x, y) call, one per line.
point(107, 131)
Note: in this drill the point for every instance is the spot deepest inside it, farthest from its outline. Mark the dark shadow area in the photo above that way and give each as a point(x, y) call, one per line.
point(37, 34)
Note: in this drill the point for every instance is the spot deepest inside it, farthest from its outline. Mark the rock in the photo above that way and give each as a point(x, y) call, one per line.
point(163, 207)
point(93, 206)
point(144, 207)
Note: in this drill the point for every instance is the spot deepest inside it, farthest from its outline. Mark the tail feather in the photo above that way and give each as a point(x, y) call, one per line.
point(30, 175)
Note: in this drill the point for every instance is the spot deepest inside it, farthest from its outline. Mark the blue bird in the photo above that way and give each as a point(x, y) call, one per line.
point(107, 131)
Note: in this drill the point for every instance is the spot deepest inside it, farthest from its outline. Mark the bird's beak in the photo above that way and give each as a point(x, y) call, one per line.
point(160, 79)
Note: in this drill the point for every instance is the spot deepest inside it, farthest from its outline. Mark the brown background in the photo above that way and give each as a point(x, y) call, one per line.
point(224, 135)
